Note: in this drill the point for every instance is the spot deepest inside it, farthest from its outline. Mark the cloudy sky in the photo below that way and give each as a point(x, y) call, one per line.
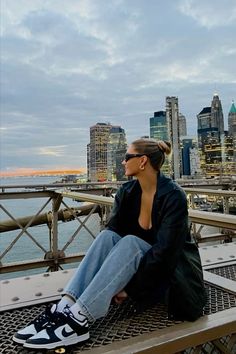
point(67, 65)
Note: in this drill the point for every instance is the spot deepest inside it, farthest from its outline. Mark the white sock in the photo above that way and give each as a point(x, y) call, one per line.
point(65, 301)
point(78, 312)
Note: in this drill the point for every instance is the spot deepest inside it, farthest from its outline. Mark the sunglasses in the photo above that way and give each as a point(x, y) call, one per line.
point(130, 156)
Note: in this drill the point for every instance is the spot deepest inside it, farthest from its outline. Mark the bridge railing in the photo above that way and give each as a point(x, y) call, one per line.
point(89, 218)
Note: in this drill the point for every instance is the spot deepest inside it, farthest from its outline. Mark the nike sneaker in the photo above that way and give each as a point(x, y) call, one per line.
point(63, 330)
point(35, 326)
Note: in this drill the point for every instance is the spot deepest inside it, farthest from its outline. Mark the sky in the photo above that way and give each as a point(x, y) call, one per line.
point(66, 65)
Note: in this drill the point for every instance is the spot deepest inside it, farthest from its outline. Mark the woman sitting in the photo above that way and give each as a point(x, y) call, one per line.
point(145, 252)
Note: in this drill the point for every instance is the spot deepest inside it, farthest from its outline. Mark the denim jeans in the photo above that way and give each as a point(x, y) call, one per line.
point(109, 264)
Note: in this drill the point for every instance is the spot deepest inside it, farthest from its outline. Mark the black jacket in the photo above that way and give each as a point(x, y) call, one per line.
point(173, 257)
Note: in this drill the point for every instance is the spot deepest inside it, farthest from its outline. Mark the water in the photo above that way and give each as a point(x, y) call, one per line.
point(24, 248)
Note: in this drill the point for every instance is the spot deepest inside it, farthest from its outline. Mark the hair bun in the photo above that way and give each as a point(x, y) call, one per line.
point(164, 146)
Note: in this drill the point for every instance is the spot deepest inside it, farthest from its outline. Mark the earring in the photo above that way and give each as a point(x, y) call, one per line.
point(142, 168)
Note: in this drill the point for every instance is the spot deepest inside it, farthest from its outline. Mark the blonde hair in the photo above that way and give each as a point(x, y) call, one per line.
point(156, 150)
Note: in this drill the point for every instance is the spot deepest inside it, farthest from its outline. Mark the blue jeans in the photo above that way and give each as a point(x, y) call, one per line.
point(109, 264)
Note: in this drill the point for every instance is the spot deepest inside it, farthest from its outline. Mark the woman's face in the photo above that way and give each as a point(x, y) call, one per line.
point(131, 162)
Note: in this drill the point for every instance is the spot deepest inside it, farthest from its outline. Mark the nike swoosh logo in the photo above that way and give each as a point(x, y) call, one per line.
point(79, 321)
point(65, 333)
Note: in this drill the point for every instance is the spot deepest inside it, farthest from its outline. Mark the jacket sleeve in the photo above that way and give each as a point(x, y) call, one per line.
point(114, 217)
point(159, 262)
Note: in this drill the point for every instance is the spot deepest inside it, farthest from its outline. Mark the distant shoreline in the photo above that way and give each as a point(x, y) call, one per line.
point(42, 173)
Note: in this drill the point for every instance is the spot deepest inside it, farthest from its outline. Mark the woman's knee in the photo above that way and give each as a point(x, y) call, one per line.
point(107, 236)
point(132, 241)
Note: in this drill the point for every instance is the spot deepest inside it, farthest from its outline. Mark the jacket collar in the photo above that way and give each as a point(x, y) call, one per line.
point(164, 185)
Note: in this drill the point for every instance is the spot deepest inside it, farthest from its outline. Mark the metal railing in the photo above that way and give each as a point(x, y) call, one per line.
point(53, 256)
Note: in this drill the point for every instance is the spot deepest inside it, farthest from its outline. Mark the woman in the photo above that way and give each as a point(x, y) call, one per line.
point(145, 253)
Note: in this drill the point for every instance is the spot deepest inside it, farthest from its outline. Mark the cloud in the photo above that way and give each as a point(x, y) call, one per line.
point(52, 150)
point(69, 64)
point(210, 14)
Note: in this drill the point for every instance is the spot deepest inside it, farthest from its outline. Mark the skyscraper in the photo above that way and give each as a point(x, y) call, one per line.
point(232, 127)
point(232, 120)
point(172, 116)
point(158, 131)
point(182, 125)
point(217, 117)
point(205, 128)
point(212, 138)
point(187, 144)
point(105, 152)
point(116, 148)
point(97, 150)
point(190, 157)
point(158, 126)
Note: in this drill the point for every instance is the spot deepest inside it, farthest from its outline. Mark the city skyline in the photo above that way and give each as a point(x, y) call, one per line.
point(65, 68)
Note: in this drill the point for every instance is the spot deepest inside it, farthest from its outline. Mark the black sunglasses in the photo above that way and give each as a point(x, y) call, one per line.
point(130, 156)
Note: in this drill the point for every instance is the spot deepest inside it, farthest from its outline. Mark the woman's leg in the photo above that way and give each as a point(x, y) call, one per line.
point(117, 269)
point(107, 277)
point(91, 263)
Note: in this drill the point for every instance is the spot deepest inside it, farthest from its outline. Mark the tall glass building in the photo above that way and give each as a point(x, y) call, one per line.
point(159, 131)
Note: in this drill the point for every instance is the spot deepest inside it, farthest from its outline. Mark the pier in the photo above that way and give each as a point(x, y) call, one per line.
point(124, 329)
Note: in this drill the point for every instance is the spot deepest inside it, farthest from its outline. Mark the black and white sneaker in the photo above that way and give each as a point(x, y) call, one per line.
point(35, 326)
point(64, 330)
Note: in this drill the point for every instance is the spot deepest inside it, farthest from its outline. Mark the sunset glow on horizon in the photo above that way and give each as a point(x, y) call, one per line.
point(28, 172)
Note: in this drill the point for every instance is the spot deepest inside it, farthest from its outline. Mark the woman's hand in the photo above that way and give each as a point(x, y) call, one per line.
point(120, 297)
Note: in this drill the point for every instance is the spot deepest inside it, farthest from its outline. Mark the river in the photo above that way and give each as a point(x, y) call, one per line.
point(24, 248)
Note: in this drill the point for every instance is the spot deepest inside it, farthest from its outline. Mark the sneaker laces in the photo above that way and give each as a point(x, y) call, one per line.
point(46, 315)
point(57, 318)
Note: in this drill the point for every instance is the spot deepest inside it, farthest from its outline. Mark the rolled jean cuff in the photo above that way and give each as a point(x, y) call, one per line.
point(85, 310)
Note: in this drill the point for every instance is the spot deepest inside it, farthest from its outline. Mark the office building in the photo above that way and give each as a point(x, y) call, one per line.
point(232, 127)
point(158, 126)
point(205, 128)
point(232, 120)
point(116, 149)
point(190, 157)
point(195, 162)
point(217, 117)
point(211, 137)
point(105, 152)
point(219, 157)
point(182, 125)
point(158, 131)
point(98, 152)
point(186, 145)
point(172, 117)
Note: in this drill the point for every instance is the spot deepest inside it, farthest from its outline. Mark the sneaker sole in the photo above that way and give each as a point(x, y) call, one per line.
point(62, 343)
point(18, 340)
